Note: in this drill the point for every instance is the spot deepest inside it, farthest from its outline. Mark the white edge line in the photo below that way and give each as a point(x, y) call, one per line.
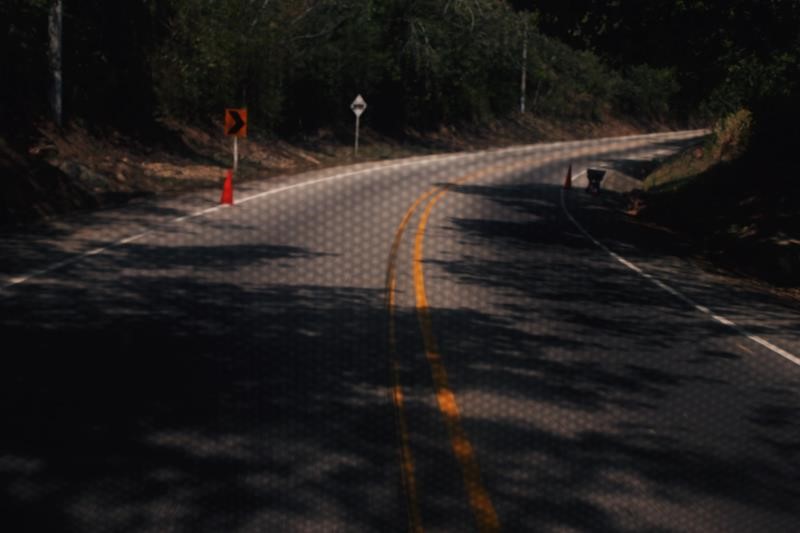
point(721, 319)
point(19, 279)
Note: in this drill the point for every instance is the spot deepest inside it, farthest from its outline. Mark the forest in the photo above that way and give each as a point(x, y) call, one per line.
point(296, 64)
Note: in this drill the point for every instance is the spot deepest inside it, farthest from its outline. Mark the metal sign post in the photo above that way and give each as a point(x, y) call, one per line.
point(358, 121)
point(358, 106)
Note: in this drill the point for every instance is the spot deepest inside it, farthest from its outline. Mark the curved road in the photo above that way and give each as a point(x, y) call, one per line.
point(444, 343)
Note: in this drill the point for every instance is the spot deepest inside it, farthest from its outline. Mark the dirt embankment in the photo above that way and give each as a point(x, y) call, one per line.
point(52, 173)
point(740, 212)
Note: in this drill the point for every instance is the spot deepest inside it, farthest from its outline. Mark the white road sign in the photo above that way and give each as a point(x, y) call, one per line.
point(358, 106)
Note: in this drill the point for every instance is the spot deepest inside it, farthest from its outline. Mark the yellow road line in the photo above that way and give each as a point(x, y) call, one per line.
point(406, 457)
point(479, 499)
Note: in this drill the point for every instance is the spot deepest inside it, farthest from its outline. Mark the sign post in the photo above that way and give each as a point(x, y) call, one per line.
point(358, 106)
point(236, 126)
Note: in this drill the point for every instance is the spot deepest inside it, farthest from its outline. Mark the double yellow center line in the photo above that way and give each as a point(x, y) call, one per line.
point(479, 499)
point(406, 458)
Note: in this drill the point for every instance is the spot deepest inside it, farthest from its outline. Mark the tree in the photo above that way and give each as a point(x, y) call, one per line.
point(55, 29)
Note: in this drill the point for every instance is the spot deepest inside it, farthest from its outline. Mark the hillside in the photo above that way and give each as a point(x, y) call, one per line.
point(736, 201)
point(55, 172)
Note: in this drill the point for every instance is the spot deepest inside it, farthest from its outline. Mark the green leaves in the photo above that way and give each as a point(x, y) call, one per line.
point(296, 64)
point(647, 91)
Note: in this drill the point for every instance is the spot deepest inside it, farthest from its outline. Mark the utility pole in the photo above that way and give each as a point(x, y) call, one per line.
point(524, 81)
point(55, 28)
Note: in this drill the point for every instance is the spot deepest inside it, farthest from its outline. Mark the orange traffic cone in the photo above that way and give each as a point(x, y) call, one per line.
point(227, 189)
point(568, 178)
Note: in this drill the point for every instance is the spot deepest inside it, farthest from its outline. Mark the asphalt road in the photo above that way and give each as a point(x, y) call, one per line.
point(447, 343)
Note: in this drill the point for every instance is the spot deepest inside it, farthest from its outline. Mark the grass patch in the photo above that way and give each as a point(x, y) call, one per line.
point(727, 143)
point(740, 211)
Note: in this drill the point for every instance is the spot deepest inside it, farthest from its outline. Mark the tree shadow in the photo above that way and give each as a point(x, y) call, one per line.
point(192, 388)
point(598, 401)
point(172, 401)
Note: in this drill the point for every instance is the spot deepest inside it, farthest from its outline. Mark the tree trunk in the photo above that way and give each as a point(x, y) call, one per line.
point(54, 30)
point(524, 81)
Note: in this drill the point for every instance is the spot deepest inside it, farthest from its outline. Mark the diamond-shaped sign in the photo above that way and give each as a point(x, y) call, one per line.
point(358, 106)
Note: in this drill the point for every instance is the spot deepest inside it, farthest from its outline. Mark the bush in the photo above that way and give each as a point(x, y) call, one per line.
point(646, 92)
point(568, 83)
point(732, 135)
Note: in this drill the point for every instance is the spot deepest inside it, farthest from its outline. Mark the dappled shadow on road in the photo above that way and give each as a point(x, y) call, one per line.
point(666, 254)
point(157, 399)
point(187, 388)
point(597, 400)
point(25, 249)
point(640, 167)
point(755, 306)
point(636, 162)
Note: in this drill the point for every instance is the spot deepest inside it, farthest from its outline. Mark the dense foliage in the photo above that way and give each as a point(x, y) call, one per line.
point(296, 64)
